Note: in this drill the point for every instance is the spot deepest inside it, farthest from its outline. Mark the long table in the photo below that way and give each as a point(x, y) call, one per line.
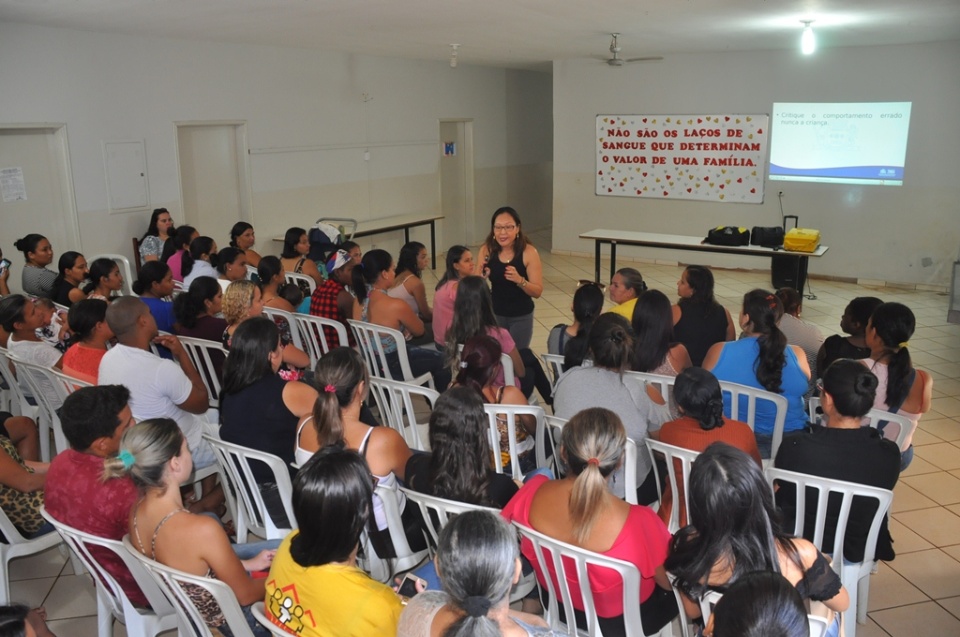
point(683, 242)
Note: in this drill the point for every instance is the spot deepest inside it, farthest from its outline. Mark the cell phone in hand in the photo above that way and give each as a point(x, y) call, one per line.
point(408, 587)
point(4, 264)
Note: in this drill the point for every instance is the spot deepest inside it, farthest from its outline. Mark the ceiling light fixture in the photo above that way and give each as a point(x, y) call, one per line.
point(453, 55)
point(808, 40)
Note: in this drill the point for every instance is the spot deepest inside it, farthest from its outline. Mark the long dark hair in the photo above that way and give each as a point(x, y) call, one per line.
point(735, 522)
point(268, 268)
point(520, 243)
point(460, 444)
point(12, 310)
point(653, 328)
point(66, 261)
point(472, 314)
point(176, 241)
point(100, 269)
point(338, 374)
point(698, 393)
point(454, 254)
point(407, 259)
point(13, 620)
point(83, 317)
point(290, 240)
point(152, 230)
point(238, 229)
point(150, 272)
point(761, 604)
point(188, 305)
point(198, 247)
point(852, 386)
point(895, 323)
point(479, 362)
point(765, 311)
point(611, 342)
point(249, 360)
point(587, 306)
point(700, 280)
point(373, 263)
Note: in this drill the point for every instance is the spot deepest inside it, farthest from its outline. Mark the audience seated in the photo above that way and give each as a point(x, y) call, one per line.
point(22, 432)
point(698, 320)
point(853, 322)
point(315, 588)
point(760, 604)
point(804, 335)
point(72, 271)
point(296, 247)
point(158, 232)
point(196, 310)
point(270, 273)
point(52, 324)
point(654, 351)
point(641, 409)
point(20, 319)
point(478, 557)
point(176, 247)
point(232, 266)
point(243, 238)
point(21, 482)
point(570, 341)
point(737, 531)
point(580, 509)
point(154, 285)
point(94, 419)
point(626, 286)
point(105, 280)
point(763, 359)
point(199, 260)
point(408, 285)
point(241, 301)
point(459, 263)
point(36, 279)
point(88, 344)
point(155, 454)
point(333, 299)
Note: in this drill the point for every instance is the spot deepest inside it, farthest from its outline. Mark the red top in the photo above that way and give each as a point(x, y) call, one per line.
point(643, 541)
point(324, 304)
point(83, 362)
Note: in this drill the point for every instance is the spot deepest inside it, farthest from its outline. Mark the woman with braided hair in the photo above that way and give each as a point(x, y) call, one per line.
point(763, 359)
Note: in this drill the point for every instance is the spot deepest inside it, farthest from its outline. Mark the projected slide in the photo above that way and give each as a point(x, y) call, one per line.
point(854, 143)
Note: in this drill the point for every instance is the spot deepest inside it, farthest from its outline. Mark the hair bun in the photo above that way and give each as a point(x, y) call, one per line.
point(866, 383)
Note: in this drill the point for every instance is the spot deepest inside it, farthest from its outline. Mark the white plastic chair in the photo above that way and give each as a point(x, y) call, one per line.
point(315, 335)
point(15, 545)
point(732, 392)
point(293, 277)
point(370, 341)
point(437, 512)
point(384, 568)
point(252, 272)
point(855, 576)
point(511, 413)
point(259, 613)
point(553, 363)
point(549, 455)
point(630, 482)
point(898, 427)
point(49, 394)
point(241, 487)
point(673, 455)
point(125, 271)
point(112, 601)
point(395, 401)
point(202, 354)
point(295, 337)
point(562, 556)
point(190, 621)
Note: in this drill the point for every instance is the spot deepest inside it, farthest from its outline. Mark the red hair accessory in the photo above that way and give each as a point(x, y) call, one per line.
point(594, 462)
point(330, 389)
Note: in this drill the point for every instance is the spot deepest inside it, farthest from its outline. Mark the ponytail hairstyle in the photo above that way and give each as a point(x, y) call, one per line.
point(66, 261)
point(407, 259)
point(238, 229)
point(460, 462)
point(145, 450)
point(226, 258)
point(587, 306)
point(479, 362)
point(373, 263)
point(852, 387)
point(83, 317)
point(611, 342)
point(592, 445)
point(100, 269)
point(179, 240)
point(477, 555)
point(150, 273)
point(198, 247)
point(190, 304)
point(268, 268)
point(894, 324)
point(237, 300)
point(698, 394)
point(765, 311)
point(653, 328)
point(338, 374)
point(472, 314)
point(632, 280)
point(454, 254)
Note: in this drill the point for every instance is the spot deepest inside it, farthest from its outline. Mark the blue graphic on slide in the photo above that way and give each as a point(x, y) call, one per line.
point(850, 172)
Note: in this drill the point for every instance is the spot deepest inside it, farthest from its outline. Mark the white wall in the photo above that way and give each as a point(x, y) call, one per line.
point(874, 232)
point(109, 87)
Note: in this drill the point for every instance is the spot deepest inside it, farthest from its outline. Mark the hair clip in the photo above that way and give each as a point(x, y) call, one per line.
point(330, 389)
point(463, 364)
point(126, 458)
point(903, 344)
point(595, 462)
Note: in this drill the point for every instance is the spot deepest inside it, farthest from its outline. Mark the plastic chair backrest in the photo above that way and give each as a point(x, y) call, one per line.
point(554, 366)
point(137, 261)
point(234, 462)
point(662, 383)
point(14, 545)
point(316, 334)
point(204, 354)
point(49, 394)
point(511, 414)
point(901, 428)
point(125, 270)
point(259, 613)
point(677, 476)
point(733, 392)
point(548, 444)
point(295, 338)
point(395, 401)
point(630, 485)
point(437, 512)
point(573, 562)
point(293, 277)
point(370, 341)
point(381, 568)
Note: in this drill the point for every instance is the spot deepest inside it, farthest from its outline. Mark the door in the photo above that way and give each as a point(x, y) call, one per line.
point(456, 183)
point(37, 193)
point(213, 177)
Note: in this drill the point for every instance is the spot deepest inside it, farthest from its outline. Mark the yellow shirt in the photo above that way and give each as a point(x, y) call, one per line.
point(625, 309)
point(332, 600)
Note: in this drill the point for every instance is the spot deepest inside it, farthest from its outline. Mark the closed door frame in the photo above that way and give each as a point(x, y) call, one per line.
point(245, 195)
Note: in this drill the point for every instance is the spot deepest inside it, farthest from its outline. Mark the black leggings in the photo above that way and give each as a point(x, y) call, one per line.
point(655, 613)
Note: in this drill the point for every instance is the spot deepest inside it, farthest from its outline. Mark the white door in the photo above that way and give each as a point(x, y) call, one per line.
point(456, 184)
point(213, 177)
point(45, 205)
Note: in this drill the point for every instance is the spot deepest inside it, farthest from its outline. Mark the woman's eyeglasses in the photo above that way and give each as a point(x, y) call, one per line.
point(583, 282)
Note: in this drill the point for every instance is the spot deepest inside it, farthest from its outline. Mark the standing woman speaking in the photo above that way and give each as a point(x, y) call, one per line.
point(512, 265)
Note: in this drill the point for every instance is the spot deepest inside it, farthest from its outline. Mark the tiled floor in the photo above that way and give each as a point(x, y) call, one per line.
point(917, 594)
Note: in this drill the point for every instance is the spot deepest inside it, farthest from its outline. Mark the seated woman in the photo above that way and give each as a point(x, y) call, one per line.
point(270, 273)
point(853, 322)
point(408, 285)
point(91, 334)
point(342, 382)
point(626, 286)
point(843, 450)
point(243, 238)
point(580, 509)
point(478, 556)
point(158, 232)
point(196, 310)
point(154, 453)
point(232, 266)
point(654, 350)
point(641, 409)
point(459, 262)
point(154, 285)
point(479, 368)
point(458, 468)
point(370, 283)
point(760, 604)
point(701, 423)
point(176, 247)
point(241, 301)
point(260, 410)
point(315, 568)
point(105, 280)
point(902, 389)
point(763, 359)
point(738, 531)
point(586, 307)
point(698, 320)
point(21, 483)
point(36, 279)
point(72, 268)
point(296, 247)
point(199, 260)
point(20, 319)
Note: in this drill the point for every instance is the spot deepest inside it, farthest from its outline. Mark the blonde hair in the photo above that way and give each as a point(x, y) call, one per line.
point(145, 450)
point(237, 300)
point(593, 442)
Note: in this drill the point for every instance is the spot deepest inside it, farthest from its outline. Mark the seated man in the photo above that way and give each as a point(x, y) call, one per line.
point(159, 388)
point(333, 300)
point(94, 419)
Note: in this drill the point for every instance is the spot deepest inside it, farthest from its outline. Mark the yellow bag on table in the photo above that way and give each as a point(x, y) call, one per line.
point(801, 240)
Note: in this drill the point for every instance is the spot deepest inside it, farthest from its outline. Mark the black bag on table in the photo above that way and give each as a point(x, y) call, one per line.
point(728, 236)
point(767, 237)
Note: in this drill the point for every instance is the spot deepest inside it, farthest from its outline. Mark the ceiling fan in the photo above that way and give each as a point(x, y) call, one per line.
point(616, 60)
